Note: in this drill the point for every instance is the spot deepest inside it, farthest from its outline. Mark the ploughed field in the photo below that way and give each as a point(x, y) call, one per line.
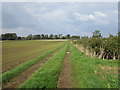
point(18, 52)
point(56, 64)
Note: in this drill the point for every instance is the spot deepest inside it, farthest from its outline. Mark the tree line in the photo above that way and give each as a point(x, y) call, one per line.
point(13, 36)
point(96, 46)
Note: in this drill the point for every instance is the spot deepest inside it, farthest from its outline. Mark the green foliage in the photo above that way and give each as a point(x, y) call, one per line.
point(109, 47)
point(36, 37)
point(7, 76)
point(51, 36)
point(47, 76)
point(92, 72)
point(9, 36)
point(96, 34)
point(75, 37)
point(29, 37)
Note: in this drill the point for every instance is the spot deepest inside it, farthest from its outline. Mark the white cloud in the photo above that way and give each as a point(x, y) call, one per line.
point(55, 15)
point(97, 17)
point(99, 14)
point(87, 17)
point(84, 17)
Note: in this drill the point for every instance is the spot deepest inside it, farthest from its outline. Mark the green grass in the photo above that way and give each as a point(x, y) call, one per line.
point(7, 76)
point(15, 53)
point(48, 75)
point(93, 72)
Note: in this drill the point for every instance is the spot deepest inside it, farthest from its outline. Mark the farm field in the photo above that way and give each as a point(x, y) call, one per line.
point(64, 68)
point(60, 45)
point(17, 52)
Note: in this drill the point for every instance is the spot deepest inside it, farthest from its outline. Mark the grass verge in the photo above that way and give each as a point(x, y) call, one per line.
point(7, 76)
point(93, 72)
point(48, 75)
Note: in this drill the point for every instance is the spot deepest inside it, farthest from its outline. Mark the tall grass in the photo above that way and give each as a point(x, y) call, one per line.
point(7, 76)
point(93, 72)
point(47, 76)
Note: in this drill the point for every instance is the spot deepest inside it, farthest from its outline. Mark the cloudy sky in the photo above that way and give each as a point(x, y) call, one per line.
point(78, 18)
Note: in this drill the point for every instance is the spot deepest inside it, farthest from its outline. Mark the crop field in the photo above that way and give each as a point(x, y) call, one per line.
point(17, 52)
point(59, 65)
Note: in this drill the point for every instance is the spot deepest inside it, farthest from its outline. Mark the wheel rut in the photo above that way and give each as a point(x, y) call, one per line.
point(65, 79)
point(17, 81)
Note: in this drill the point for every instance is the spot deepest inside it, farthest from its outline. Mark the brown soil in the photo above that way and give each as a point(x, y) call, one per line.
point(65, 79)
point(17, 81)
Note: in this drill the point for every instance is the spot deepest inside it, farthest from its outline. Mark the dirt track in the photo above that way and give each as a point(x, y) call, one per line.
point(65, 79)
point(17, 81)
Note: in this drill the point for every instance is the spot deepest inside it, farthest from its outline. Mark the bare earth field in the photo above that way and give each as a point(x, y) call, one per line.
point(17, 52)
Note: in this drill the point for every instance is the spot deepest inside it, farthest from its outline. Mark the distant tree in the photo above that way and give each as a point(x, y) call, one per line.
point(85, 36)
point(36, 37)
point(43, 36)
point(60, 36)
point(9, 36)
point(110, 36)
point(68, 36)
point(18, 38)
point(118, 33)
point(51, 36)
point(96, 34)
point(75, 37)
point(0, 37)
point(63, 37)
point(29, 37)
point(46, 36)
point(56, 37)
point(23, 38)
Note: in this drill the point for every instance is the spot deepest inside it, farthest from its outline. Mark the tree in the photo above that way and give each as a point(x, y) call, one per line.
point(75, 37)
point(110, 36)
point(23, 38)
point(51, 36)
point(68, 36)
point(36, 37)
point(29, 37)
point(46, 36)
point(9, 36)
point(96, 34)
point(56, 37)
point(19, 38)
point(43, 36)
point(60, 36)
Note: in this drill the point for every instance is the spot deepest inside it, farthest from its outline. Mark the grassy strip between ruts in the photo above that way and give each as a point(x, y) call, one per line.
point(7, 76)
point(48, 75)
point(93, 72)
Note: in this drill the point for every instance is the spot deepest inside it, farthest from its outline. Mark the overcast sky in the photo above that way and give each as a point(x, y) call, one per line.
point(60, 18)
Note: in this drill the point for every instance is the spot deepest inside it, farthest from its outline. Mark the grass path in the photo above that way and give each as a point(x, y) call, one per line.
point(17, 81)
point(48, 75)
point(65, 79)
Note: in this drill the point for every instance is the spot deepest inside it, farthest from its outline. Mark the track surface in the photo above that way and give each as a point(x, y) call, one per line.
point(65, 79)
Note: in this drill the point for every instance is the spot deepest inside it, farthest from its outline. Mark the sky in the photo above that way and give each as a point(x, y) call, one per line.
point(75, 18)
